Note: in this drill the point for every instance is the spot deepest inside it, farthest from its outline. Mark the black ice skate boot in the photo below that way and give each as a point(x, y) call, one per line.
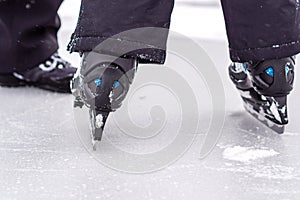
point(102, 84)
point(53, 74)
point(264, 87)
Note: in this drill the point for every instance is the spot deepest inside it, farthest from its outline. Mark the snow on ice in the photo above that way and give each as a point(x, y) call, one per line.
point(247, 154)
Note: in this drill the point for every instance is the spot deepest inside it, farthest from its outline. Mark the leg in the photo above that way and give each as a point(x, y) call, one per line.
point(104, 78)
point(29, 31)
point(28, 42)
point(263, 37)
point(262, 29)
point(99, 21)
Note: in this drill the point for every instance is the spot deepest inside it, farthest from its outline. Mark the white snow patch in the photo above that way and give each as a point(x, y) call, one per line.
point(247, 154)
point(111, 96)
point(99, 121)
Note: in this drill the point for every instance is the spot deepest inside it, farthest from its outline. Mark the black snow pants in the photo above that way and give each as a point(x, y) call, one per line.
point(28, 31)
point(256, 29)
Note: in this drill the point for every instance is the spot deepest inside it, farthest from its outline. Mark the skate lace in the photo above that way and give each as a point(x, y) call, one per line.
point(53, 63)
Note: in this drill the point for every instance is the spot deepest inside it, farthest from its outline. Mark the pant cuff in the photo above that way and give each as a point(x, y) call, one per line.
point(265, 53)
point(146, 53)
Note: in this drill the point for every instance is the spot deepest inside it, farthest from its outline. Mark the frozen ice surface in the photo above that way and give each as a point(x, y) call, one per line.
point(42, 157)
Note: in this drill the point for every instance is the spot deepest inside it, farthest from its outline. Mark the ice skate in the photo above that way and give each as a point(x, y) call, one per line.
point(101, 84)
point(53, 74)
point(264, 87)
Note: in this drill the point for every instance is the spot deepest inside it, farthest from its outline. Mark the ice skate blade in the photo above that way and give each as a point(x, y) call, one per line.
point(97, 123)
point(94, 145)
point(271, 125)
point(94, 141)
point(94, 138)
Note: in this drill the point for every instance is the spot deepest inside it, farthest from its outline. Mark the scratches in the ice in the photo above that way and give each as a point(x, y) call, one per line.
point(63, 123)
point(33, 170)
point(276, 172)
point(33, 150)
point(36, 106)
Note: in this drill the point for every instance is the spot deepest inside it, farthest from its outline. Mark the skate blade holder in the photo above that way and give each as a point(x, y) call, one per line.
point(267, 122)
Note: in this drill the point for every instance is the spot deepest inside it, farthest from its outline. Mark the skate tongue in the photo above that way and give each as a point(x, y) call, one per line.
point(278, 107)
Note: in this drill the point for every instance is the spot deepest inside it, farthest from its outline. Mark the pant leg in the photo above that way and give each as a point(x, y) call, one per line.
point(100, 20)
point(262, 29)
point(27, 33)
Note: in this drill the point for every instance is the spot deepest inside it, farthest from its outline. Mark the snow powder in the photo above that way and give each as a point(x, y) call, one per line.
point(247, 154)
point(99, 121)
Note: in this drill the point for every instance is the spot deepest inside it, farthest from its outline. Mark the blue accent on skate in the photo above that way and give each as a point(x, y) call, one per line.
point(287, 69)
point(245, 68)
point(270, 71)
point(98, 82)
point(116, 84)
